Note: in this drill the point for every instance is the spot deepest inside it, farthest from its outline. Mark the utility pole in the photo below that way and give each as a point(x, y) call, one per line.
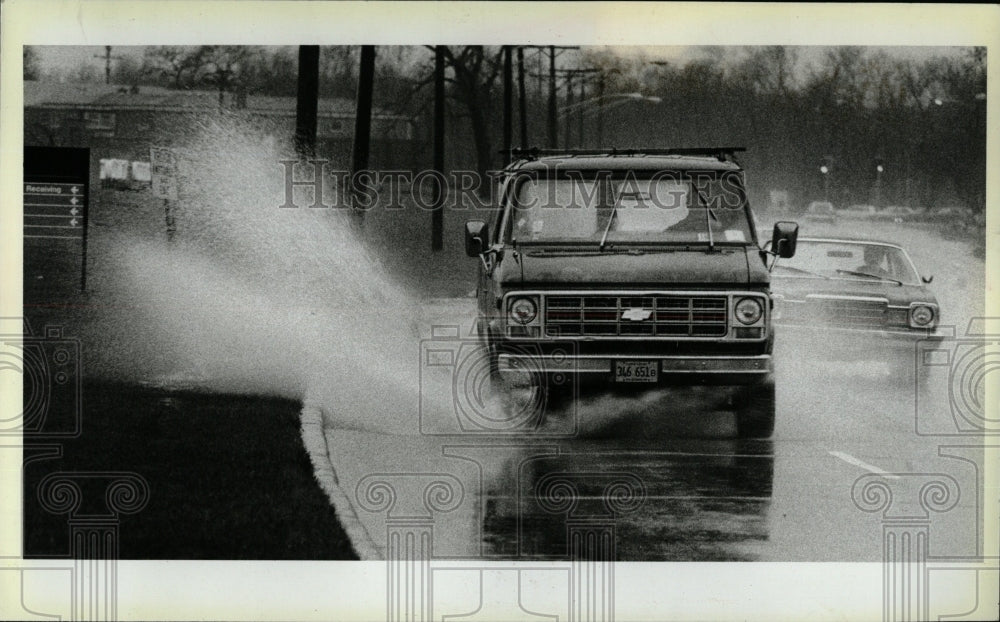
point(508, 105)
point(363, 120)
point(583, 98)
point(553, 113)
point(569, 102)
point(437, 215)
point(307, 102)
point(568, 75)
point(107, 62)
point(600, 110)
point(522, 97)
point(553, 128)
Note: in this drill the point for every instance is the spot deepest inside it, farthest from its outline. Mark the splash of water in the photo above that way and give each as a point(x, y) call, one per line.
point(251, 298)
point(254, 299)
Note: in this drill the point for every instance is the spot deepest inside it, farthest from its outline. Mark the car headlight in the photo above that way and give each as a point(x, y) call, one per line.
point(748, 310)
point(921, 316)
point(523, 310)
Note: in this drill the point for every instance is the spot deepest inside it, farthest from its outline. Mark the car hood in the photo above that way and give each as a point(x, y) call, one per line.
point(797, 288)
point(547, 267)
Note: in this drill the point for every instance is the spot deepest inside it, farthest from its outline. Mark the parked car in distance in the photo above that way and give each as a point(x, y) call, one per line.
point(865, 294)
point(820, 211)
point(944, 212)
point(857, 211)
point(895, 213)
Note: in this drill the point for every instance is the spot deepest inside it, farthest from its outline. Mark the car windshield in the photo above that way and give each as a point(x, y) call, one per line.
point(847, 260)
point(606, 211)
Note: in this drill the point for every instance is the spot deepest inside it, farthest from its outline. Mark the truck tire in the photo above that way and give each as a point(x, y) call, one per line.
point(524, 412)
point(755, 407)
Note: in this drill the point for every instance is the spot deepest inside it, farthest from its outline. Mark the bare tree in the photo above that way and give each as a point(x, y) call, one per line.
point(474, 70)
point(221, 66)
point(129, 71)
point(768, 70)
point(175, 64)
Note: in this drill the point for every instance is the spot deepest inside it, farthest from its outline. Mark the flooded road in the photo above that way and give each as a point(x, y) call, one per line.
point(660, 476)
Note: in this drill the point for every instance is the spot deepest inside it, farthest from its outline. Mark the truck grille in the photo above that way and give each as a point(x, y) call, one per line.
point(654, 316)
point(847, 312)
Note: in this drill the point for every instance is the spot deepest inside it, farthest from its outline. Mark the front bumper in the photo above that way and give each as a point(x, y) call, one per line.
point(853, 344)
point(901, 336)
point(672, 369)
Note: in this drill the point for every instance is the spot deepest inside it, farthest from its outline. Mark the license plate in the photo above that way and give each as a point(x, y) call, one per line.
point(636, 371)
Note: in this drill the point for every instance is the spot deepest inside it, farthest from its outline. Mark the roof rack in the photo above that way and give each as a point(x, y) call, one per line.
point(533, 153)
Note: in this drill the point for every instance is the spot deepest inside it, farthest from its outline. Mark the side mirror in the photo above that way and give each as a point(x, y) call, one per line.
point(784, 238)
point(476, 234)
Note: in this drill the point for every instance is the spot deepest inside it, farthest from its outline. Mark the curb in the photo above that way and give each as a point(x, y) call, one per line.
point(315, 444)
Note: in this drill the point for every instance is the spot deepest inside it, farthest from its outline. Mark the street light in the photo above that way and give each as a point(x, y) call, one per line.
point(879, 169)
point(602, 101)
point(825, 169)
point(623, 98)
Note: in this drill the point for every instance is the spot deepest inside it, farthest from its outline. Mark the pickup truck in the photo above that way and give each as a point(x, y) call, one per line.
point(646, 262)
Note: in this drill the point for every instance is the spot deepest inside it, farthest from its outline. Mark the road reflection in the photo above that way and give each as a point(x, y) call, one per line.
point(682, 499)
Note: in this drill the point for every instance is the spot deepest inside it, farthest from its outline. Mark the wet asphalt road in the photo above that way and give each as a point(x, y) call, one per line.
point(661, 477)
point(671, 483)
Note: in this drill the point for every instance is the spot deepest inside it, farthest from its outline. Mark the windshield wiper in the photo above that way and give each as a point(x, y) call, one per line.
point(611, 219)
point(871, 276)
point(709, 217)
point(801, 271)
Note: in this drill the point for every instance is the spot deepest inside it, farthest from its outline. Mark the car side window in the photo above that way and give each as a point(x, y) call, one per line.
point(896, 266)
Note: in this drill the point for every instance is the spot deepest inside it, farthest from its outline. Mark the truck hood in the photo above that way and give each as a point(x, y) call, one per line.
point(531, 267)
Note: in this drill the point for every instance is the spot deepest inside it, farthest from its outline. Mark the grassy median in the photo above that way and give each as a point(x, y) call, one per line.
point(228, 478)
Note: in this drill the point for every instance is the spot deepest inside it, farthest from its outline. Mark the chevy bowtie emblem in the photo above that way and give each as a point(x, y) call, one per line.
point(637, 314)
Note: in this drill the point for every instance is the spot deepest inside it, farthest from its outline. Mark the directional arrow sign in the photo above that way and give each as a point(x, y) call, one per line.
point(56, 225)
point(50, 188)
point(55, 218)
point(54, 210)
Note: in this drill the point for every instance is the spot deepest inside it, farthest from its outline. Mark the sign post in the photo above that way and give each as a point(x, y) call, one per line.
point(55, 202)
point(163, 170)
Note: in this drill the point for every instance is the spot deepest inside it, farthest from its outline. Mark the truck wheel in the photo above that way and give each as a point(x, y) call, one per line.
point(524, 405)
point(755, 411)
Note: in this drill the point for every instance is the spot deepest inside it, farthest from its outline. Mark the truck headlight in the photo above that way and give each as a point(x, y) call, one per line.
point(523, 310)
point(921, 316)
point(748, 310)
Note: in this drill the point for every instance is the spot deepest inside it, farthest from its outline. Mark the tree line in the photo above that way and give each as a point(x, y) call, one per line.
point(850, 109)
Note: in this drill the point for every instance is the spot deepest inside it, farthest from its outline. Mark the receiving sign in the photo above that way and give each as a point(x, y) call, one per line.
point(55, 210)
point(56, 188)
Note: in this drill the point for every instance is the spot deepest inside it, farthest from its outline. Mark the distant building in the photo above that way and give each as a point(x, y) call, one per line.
point(122, 122)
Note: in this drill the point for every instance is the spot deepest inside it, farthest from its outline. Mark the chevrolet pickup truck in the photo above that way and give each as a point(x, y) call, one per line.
point(646, 262)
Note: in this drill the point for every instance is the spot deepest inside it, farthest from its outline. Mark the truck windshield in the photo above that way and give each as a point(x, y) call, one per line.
point(607, 211)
